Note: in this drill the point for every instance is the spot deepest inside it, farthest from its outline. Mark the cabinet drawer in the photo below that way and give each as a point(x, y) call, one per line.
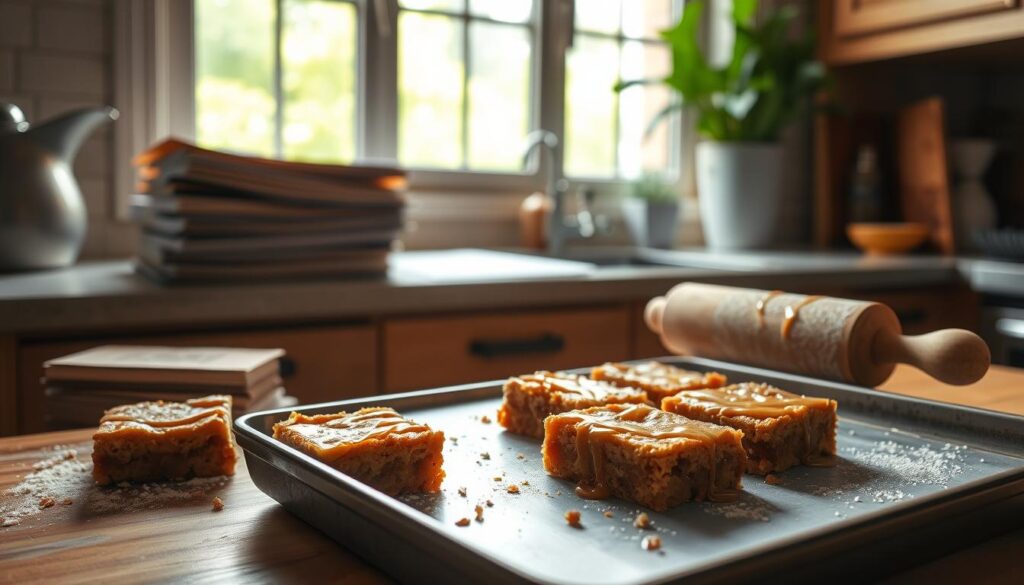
point(646, 343)
point(438, 351)
point(321, 364)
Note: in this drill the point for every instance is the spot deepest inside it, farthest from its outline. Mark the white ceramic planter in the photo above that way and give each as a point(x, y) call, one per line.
point(651, 223)
point(740, 193)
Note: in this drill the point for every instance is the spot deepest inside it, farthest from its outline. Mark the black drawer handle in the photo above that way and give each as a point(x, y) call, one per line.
point(286, 367)
point(492, 348)
point(912, 316)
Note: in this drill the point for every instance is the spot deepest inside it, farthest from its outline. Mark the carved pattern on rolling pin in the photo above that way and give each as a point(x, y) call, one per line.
point(813, 344)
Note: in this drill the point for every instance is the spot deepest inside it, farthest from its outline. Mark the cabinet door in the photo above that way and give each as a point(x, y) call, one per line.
point(860, 17)
point(321, 363)
point(646, 343)
point(440, 351)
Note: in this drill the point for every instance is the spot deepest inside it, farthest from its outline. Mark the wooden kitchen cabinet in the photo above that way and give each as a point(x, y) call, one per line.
point(859, 17)
point(425, 352)
point(646, 343)
point(859, 31)
point(322, 363)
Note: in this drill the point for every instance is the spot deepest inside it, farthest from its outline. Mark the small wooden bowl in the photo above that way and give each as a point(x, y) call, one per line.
point(886, 238)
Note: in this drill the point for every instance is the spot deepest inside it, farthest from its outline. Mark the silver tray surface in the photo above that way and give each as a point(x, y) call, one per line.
point(903, 463)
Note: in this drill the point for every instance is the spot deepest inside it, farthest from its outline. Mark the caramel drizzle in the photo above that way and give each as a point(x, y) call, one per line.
point(363, 425)
point(579, 386)
point(654, 374)
point(753, 400)
point(592, 433)
point(759, 401)
point(792, 311)
point(762, 304)
point(158, 415)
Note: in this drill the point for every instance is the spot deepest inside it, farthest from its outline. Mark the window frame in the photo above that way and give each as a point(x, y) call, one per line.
point(377, 83)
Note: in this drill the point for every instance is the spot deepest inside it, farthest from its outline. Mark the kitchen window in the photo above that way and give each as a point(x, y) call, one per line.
point(449, 87)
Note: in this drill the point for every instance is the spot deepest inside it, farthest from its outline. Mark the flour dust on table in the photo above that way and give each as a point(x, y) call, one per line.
point(65, 479)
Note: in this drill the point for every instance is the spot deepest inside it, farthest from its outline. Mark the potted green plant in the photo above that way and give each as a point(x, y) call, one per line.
point(741, 107)
point(651, 210)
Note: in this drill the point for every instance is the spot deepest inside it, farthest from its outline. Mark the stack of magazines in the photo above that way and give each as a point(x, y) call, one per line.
point(81, 386)
point(214, 216)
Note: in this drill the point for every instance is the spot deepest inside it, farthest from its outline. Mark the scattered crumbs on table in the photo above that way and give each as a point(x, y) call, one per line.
point(526, 482)
point(497, 478)
point(462, 522)
point(218, 504)
point(485, 419)
point(642, 521)
point(609, 514)
point(485, 456)
point(479, 511)
point(651, 542)
point(772, 479)
point(462, 491)
point(489, 504)
point(520, 456)
point(572, 517)
point(512, 489)
point(59, 477)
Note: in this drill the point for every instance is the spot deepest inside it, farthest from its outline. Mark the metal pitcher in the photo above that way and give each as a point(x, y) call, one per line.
point(43, 219)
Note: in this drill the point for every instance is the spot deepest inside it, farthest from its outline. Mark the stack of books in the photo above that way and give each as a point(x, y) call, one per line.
point(81, 386)
point(214, 216)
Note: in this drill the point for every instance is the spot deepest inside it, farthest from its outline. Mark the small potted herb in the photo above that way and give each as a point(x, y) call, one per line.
point(651, 212)
point(741, 106)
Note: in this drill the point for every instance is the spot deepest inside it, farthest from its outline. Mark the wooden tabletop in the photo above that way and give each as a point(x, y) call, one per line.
point(255, 539)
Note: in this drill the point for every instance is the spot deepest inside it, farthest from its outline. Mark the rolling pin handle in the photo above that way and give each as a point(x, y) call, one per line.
point(953, 356)
point(653, 314)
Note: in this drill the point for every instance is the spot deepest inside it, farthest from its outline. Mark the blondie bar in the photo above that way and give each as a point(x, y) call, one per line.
point(529, 399)
point(645, 455)
point(152, 441)
point(657, 379)
point(780, 429)
point(376, 446)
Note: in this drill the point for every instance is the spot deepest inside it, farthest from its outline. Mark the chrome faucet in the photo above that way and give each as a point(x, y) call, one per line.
point(561, 228)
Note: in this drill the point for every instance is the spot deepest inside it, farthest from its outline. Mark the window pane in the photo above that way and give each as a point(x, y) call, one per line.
point(599, 15)
point(430, 100)
point(638, 107)
point(590, 103)
point(504, 10)
point(499, 95)
point(446, 5)
point(234, 75)
point(647, 18)
point(318, 56)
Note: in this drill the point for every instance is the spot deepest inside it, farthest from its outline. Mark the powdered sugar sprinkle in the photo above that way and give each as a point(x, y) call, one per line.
point(63, 479)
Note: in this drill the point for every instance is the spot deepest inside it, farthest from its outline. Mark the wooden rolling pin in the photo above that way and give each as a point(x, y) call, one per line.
point(825, 337)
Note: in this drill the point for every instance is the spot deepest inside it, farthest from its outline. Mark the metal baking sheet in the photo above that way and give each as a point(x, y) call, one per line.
point(903, 463)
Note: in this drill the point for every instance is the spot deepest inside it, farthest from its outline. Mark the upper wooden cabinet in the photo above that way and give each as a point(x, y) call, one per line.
point(858, 31)
point(858, 17)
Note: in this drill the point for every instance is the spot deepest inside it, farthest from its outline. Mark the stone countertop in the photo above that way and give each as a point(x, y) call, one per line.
point(106, 295)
